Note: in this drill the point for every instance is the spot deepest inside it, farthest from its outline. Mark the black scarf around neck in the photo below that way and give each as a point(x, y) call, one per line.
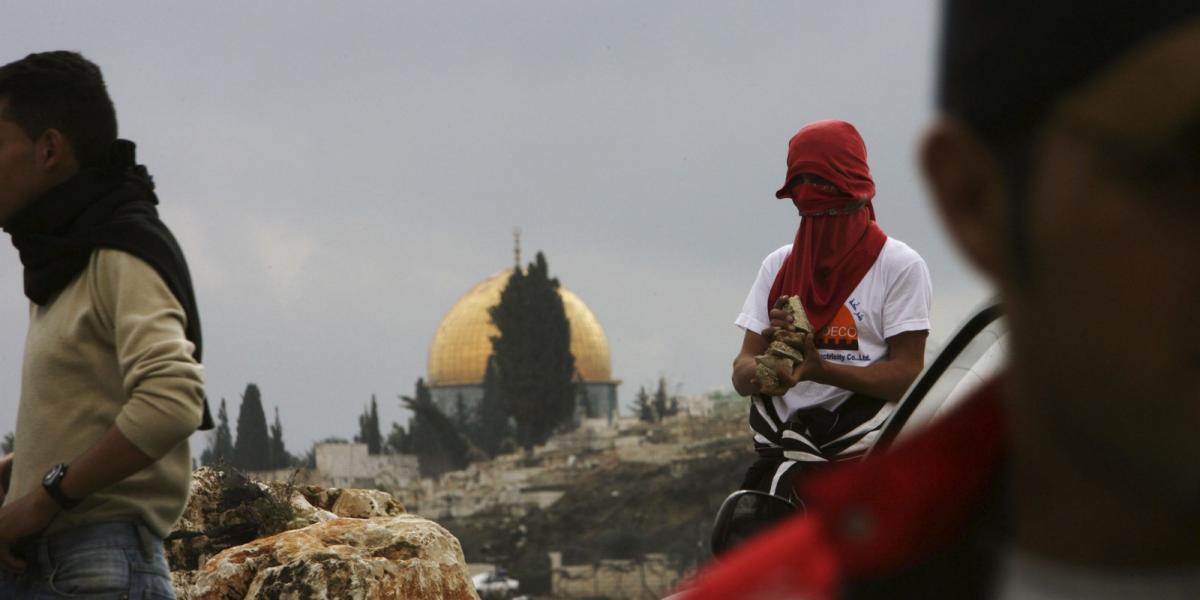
point(110, 207)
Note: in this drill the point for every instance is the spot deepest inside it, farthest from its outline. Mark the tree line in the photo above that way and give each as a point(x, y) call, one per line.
point(257, 447)
point(653, 409)
point(531, 390)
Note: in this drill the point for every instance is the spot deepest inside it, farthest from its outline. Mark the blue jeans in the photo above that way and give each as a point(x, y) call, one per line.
point(116, 560)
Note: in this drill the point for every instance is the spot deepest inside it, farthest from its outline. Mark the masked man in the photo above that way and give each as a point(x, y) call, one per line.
point(867, 297)
point(1066, 165)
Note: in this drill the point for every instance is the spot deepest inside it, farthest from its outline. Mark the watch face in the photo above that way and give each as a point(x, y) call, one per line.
point(52, 475)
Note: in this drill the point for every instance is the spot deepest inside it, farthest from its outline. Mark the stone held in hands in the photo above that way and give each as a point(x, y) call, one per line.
point(786, 348)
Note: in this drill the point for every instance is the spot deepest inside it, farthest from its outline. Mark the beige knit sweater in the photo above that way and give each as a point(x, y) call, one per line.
point(110, 348)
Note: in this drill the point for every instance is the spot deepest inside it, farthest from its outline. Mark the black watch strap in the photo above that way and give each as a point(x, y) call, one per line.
point(52, 483)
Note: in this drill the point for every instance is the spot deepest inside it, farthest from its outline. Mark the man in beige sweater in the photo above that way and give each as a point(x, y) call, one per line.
point(111, 383)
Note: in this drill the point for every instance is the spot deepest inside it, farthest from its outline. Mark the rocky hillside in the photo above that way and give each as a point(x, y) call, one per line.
point(620, 509)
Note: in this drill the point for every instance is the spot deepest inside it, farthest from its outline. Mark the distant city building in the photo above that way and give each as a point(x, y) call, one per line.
point(461, 347)
point(346, 465)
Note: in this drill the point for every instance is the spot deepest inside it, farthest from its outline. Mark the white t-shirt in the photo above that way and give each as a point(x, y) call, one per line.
point(893, 297)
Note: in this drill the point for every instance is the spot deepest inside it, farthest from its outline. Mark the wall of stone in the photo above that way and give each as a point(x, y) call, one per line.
point(350, 465)
point(297, 476)
point(650, 578)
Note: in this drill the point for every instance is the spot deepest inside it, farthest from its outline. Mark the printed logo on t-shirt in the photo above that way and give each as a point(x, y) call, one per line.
point(840, 334)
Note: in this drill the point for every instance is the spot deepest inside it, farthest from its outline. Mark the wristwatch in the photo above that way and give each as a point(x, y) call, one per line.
point(52, 483)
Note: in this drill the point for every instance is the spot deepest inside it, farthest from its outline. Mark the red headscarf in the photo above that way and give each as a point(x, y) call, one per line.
point(838, 240)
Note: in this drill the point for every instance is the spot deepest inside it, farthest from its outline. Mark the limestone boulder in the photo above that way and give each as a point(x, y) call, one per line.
point(395, 557)
point(354, 503)
point(182, 581)
point(225, 509)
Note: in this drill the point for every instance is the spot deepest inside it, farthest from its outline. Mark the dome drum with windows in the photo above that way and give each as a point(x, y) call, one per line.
point(461, 347)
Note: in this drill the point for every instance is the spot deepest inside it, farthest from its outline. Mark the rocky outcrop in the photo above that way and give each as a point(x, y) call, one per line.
point(384, 557)
point(357, 504)
point(241, 538)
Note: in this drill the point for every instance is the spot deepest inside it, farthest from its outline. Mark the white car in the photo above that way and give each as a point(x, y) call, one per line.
point(494, 585)
point(974, 354)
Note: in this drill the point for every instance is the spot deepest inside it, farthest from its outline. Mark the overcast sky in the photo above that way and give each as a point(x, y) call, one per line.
point(339, 174)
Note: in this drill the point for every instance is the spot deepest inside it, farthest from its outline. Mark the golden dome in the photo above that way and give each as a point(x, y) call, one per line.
point(463, 341)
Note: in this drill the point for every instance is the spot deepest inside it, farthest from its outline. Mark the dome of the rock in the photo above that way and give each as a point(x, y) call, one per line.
point(461, 347)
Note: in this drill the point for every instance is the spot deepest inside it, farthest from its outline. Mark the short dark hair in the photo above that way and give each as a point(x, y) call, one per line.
point(61, 90)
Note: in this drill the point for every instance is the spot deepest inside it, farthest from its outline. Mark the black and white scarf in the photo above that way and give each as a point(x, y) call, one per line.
point(817, 435)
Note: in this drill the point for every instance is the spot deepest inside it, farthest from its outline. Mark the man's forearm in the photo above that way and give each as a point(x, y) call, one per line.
point(107, 462)
point(887, 379)
point(5, 474)
point(743, 372)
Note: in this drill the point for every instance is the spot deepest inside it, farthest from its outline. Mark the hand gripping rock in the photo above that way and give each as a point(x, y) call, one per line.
point(786, 348)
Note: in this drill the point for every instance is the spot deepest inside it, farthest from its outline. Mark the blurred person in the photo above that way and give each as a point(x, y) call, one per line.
point(867, 296)
point(111, 384)
point(1066, 166)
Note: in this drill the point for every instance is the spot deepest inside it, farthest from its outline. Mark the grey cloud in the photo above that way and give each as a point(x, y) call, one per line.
point(341, 173)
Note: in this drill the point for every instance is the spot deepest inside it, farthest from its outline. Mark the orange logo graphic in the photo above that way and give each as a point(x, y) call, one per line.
point(840, 334)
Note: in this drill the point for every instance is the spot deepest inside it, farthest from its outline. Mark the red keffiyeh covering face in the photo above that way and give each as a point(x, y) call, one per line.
point(838, 239)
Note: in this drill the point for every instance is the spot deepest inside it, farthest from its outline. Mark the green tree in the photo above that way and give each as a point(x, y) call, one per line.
point(397, 440)
point(220, 441)
point(494, 425)
point(533, 353)
point(368, 428)
point(279, 455)
point(10, 442)
point(252, 451)
point(643, 406)
point(665, 404)
point(432, 436)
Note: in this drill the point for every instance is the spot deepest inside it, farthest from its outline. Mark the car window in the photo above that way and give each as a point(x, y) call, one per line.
point(975, 353)
point(982, 359)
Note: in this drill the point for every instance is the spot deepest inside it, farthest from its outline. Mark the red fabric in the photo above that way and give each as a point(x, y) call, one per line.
point(919, 495)
point(832, 252)
point(794, 560)
point(871, 517)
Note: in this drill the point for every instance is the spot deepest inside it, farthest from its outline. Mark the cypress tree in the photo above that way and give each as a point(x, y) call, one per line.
point(279, 454)
point(368, 428)
point(660, 399)
point(432, 436)
point(397, 440)
point(376, 440)
point(220, 443)
point(252, 451)
point(493, 425)
point(533, 353)
point(643, 406)
point(665, 405)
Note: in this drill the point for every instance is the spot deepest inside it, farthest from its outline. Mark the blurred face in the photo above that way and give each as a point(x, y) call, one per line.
point(20, 178)
point(1105, 333)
